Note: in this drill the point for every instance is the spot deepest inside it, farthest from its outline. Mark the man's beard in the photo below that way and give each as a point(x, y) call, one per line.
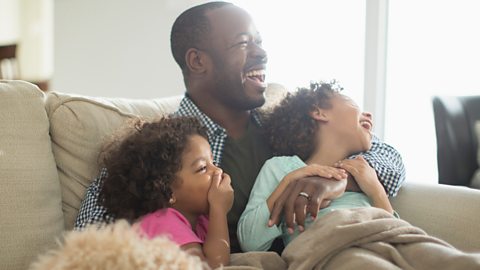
point(233, 94)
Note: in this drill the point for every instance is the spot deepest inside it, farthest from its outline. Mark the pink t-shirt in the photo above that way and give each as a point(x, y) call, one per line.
point(172, 223)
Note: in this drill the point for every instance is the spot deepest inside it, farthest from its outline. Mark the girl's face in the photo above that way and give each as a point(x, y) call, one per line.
point(350, 124)
point(190, 188)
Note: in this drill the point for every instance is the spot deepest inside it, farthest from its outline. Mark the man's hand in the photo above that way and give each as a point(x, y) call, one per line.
point(305, 195)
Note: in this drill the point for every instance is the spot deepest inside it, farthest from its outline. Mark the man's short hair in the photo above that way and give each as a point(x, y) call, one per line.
point(190, 29)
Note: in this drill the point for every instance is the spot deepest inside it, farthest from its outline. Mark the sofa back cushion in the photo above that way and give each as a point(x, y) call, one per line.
point(79, 126)
point(30, 203)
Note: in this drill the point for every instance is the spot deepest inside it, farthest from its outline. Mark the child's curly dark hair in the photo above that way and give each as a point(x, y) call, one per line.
point(288, 126)
point(141, 163)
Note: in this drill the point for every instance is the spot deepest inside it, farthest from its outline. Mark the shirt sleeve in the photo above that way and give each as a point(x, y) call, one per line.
point(170, 223)
point(388, 164)
point(90, 211)
point(252, 231)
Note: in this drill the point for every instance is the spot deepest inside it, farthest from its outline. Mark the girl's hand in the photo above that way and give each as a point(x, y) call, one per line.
point(220, 194)
point(367, 180)
point(318, 170)
point(364, 175)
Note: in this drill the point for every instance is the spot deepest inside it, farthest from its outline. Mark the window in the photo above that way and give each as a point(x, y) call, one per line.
point(312, 40)
point(433, 49)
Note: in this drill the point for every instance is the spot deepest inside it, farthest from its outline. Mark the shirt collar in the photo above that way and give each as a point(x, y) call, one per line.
point(188, 108)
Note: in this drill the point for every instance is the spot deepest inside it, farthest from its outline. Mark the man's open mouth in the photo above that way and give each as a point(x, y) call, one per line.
point(257, 75)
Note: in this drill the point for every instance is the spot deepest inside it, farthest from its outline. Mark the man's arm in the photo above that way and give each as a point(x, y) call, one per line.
point(90, 211)
point(386, 161)
point(388, 164)
point(295, 207)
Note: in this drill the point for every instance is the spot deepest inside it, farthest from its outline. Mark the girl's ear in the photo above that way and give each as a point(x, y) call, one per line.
point(319, 114)
point(172, 199)
point(197, 61)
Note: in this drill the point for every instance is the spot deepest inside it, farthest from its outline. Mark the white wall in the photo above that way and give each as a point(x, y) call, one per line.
point(29, 23)
point(9, 22)
point(116, 48)
point(35, 50)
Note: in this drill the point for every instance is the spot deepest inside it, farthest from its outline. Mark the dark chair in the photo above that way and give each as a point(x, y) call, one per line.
point(8, 62)
point(457, 143)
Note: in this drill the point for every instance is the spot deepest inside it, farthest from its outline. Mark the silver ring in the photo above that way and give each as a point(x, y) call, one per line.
point(304, 194)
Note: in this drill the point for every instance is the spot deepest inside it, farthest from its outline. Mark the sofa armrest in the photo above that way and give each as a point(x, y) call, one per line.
point(451, 213)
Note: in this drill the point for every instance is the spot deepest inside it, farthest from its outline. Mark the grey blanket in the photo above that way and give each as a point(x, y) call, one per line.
point(361, 238)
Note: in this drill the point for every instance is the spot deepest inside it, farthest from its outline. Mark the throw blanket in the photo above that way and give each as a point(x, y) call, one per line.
point(361, 238)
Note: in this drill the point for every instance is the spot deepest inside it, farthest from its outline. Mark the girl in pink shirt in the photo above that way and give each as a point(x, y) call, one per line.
point(161, 175)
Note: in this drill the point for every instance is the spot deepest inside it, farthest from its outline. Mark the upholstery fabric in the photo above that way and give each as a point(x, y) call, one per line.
point(31, 214)
point(441, 204)
point(79, 126)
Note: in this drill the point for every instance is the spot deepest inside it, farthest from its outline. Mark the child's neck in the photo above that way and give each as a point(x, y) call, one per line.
point(327, 154)
point(192, 218)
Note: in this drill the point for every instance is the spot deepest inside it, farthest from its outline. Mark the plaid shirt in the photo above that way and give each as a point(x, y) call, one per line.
point(382, 157)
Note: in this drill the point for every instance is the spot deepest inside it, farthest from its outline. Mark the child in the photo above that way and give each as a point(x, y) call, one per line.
point(310, 132)
point(161, 176)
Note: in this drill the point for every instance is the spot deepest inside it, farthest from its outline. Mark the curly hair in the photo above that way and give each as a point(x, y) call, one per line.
point(289, 128)
point(142, 162)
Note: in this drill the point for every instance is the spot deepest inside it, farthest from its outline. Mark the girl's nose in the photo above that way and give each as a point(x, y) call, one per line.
point(217, 170)
point(367, 115)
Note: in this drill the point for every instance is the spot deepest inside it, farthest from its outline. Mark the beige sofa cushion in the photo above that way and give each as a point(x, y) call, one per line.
point(448, 212)
point(30, 203)
point(79, 126)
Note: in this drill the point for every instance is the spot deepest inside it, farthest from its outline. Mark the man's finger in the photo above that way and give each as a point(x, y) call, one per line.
point(291, 206)
point(301, 205)
point(315, 202)
point(278, 206)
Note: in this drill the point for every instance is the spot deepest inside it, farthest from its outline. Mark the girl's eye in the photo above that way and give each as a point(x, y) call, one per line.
point(202, 169)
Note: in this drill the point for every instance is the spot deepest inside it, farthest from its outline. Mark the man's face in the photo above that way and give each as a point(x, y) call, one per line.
point(239, 62)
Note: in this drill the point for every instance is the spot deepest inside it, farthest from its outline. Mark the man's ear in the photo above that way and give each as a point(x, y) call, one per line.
point(319, 114)
point(197, 61)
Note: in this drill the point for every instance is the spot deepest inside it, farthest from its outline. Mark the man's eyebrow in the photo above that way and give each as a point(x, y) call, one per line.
point(242, 34)
point(254, 35)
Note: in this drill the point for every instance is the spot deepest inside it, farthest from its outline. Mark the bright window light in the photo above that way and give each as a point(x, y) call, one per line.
point(312, 40)
point(433, 49)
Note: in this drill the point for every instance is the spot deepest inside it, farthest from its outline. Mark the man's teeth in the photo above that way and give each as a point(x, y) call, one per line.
point(254, 73)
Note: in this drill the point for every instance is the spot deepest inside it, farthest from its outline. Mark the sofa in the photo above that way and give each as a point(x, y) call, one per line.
point(49, 145)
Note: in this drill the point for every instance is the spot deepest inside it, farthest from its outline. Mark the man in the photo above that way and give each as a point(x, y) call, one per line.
point(219, 51)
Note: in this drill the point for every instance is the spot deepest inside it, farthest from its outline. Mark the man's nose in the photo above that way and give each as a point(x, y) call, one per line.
point(259, 53)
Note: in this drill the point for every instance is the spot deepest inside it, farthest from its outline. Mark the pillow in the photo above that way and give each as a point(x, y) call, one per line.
point(475, 183)
point(79, 126)
point(30, 203)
